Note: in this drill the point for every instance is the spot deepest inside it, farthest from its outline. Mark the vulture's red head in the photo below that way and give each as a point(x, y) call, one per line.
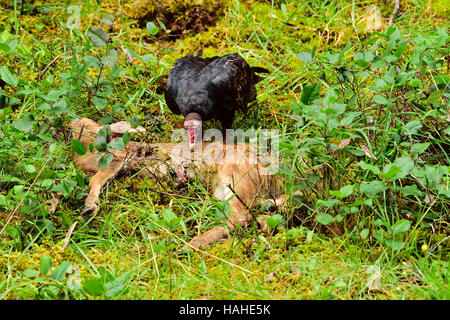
point(193, 127)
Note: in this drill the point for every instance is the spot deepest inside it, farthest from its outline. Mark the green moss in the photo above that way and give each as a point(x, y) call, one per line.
point(180, 17)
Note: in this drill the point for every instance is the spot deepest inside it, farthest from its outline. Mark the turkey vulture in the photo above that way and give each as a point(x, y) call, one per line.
point(205, 88)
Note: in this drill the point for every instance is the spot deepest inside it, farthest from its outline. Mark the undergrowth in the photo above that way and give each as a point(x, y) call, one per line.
point(362, 110)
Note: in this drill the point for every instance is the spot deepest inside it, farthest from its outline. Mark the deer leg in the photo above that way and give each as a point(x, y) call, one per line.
point(91, 204)
point(239, 216)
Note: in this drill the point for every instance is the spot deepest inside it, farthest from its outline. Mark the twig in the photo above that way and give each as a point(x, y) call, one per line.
point(394, 13)
point(154, 261)
point(68, 235)
point(437, 244)
point(47, 66)
point(81, 132)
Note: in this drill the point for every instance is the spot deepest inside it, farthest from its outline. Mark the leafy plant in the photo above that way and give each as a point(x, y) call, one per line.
point(365, 133)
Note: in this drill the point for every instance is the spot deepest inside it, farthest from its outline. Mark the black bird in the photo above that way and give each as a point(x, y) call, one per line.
point(205, 88)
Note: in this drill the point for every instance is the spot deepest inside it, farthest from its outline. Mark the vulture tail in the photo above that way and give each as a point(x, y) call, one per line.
point(259, 70)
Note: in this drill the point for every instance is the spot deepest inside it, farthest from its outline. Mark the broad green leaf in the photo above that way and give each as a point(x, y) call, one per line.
point(169, 215)
point(99, 102)
point(44, 107)
point(31, 273)
point(45, 264)
point(126, 137)
point(64, 187)
point(294, 233)
point(60, 106)
point(349, 117)
point(24, 124)
point(419, 147)
point(363, 58)
point(442, 79)
point(78, 147)
point(61, 270)
point(111, 58)
point(152, 28)
point(324, 218)
point(105, 275)
point(4, 47)
point(98, 37)
point(394, 244)
point(223, 209)
point(117, 144)
point(367, 166)
point(8, 77)
point(390, 171)
point(113, 288)
point(108, 19)
point(379, 99)
point(105, 160)
point(3, 100)
point(106, 119)
point(65, 219)
point(304, 57)
point(29, 168)
point(434, 98)
point(415, 83)
point(5, 35)
point(117, 71)
point(134, 121)
point(274, 221)
point(380, 85)
point(401, 226)
point(310, 93)
point(100, 143)
point(373, 187)
point(328, 203)
point(410, 191)
point(346, 190)
point(405, 164)
point(395, 34)
point(412, 127)
point(309, 236)
point(364, 233)
point(93, 287)
point(336, 108)
point(343, 192)
point(107, 132)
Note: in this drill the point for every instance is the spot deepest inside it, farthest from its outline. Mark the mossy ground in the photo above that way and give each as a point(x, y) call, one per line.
point(128, 237)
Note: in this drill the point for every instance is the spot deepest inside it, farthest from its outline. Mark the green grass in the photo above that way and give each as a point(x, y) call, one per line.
point(346, 237)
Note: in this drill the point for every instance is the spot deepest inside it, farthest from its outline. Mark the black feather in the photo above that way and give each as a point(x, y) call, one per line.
point(213, 87)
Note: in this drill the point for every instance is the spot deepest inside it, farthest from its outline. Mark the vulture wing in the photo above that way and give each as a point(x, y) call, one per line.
point(183, 80)
point(232, 83)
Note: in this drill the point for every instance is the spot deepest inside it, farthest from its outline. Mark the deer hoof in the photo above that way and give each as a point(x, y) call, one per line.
point(88, 212)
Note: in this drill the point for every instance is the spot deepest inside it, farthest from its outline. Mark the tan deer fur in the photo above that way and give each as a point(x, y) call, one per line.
point(241, 183)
